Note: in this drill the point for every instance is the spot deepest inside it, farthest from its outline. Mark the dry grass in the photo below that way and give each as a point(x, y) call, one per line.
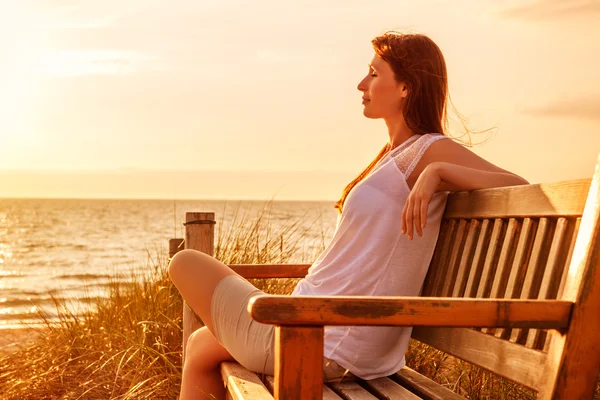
point(461, 377)
point(130, 347)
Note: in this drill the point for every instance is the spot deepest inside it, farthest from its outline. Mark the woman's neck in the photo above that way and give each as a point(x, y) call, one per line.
point(398, 132)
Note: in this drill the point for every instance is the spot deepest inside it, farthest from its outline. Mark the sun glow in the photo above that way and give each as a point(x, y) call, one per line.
point(84, 62)
point(22, 44)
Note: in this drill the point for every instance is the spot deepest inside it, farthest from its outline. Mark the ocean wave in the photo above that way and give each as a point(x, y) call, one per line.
point(47, 300)
point(83, 276)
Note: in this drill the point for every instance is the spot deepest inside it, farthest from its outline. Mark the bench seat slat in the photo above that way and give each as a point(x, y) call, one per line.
point(328, 394)
point(385, 388)
point(243, 384)
point(423, 386)
point(351, 390)
point(516, 362)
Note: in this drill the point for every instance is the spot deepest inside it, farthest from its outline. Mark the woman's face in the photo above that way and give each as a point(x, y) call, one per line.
point(382, 95)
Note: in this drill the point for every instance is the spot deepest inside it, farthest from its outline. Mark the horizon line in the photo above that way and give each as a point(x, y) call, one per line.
point(166, 199)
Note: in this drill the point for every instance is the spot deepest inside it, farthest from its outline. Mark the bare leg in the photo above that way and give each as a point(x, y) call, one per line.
point(196, 275)
point(201, 373)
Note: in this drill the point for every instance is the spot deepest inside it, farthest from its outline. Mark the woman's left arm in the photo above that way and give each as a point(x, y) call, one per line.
point(448, 166)
point(456, 178)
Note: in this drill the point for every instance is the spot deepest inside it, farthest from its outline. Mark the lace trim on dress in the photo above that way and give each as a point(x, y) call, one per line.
point(399, 149)
point(407, 160)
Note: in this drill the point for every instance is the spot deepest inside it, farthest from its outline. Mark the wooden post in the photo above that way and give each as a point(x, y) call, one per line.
point(174, 246)
point(199, 235)
point(573, 362)
point(298, 362)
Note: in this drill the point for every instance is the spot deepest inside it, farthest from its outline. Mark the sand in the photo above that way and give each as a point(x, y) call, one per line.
point(12, 340)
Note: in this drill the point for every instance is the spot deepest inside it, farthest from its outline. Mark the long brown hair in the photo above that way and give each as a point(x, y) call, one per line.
point(417, 61)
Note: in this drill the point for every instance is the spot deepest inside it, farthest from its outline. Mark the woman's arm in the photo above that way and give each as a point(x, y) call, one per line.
point(448, 166)
point(455, 178)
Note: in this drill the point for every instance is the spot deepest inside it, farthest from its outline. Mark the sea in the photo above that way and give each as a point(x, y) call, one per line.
point(69, 250)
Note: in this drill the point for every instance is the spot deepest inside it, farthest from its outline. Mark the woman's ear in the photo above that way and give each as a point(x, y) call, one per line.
point(403, 91)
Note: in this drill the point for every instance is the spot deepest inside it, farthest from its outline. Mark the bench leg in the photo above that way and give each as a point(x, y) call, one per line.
point(298, 362)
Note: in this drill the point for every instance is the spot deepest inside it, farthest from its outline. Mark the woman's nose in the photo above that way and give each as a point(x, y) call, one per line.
point(362, 86)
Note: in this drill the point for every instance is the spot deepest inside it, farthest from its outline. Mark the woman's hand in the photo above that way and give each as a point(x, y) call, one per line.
point(415, 209)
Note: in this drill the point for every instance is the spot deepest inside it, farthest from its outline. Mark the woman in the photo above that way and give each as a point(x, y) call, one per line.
point(401, 193)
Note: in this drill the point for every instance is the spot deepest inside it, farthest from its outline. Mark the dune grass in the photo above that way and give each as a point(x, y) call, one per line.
point(129, 347)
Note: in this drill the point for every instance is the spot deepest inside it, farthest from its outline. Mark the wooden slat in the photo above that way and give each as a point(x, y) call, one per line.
point(521, 260)
point(507, 253)
point(387, 389)
point(423, 386)
point(541, 200)
point(436, 259)
point(466, 260)
point(565, 270)
point(535, 271)
point(328, 394)
point(505, 261)
point(409, 311)
point(565, 273)
point(351, 390)
point(298, 362)
point(574, 358)
point(439, 269)
point(502, 357)
point(550, 275)
point(519, 267)
point(259, 271)
point(491, 260)
point(242, 384)
point(483, 244)
point(555, 269)
point(453, 263)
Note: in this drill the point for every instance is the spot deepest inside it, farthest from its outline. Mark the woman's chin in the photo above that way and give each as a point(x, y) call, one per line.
point(368, 114)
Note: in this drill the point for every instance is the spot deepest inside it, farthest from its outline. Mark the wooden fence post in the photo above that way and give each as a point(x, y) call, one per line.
point(174, 246)
point(199, 235)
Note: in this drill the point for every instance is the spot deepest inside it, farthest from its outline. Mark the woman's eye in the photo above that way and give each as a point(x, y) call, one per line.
point(373, 74)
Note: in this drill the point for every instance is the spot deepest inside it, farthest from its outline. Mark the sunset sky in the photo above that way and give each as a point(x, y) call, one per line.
point(224, 99)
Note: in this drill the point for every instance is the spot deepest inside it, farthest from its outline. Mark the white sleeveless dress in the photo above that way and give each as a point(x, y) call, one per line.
point(368, 256)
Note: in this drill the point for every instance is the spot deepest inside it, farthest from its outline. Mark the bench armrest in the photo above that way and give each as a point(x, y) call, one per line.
point(410, 311)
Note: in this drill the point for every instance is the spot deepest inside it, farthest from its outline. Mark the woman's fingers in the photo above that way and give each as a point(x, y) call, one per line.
point(403, 219)
point(414, 217)
point(417, 218)
point(409, 218)
point(424, 207)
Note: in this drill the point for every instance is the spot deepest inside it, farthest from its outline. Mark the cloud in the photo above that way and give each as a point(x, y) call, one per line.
point(66, 63)
point(585, 108)
point(553, 9)
point(89, 14)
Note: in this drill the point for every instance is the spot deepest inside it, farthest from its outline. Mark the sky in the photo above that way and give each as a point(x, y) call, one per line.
point(224, 99)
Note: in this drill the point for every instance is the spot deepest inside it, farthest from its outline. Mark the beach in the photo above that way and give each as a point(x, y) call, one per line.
point(16, 339)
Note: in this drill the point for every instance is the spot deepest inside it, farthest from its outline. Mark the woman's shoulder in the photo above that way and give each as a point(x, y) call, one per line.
point(450, 151)
point(406, 159)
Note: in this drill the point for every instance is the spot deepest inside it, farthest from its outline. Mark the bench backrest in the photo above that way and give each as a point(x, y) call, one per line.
point(515, 242)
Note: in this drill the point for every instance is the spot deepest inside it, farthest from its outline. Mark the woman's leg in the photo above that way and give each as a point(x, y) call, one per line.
point(196, 275)
point(201, 374)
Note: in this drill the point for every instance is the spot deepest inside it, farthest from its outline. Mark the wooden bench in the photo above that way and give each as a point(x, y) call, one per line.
point(513, 287)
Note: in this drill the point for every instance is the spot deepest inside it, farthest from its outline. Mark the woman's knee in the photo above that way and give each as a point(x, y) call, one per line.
point(182, 261)
point(204, 352)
